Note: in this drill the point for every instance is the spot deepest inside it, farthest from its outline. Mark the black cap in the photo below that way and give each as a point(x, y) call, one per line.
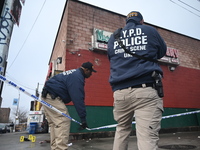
point(134, 15)
point(89, 66)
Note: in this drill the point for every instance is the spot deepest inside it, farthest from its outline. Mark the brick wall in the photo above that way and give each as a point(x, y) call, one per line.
point(79, 19)
point(189, 48)
point(5, 113)
point(181, 87)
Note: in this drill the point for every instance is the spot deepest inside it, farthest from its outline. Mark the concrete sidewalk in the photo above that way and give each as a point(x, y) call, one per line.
point(173, 141)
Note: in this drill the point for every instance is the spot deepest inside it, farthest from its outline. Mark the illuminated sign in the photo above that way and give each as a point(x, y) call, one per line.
point(35, 112)
point(100, 39)
point(171, 56)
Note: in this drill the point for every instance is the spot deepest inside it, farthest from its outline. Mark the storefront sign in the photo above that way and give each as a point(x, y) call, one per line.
point(100, 39)
point(171, 56)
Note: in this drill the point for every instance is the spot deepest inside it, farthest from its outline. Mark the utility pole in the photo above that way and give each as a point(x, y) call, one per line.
point(17, 112)
point(6, 27)
point(37, 104)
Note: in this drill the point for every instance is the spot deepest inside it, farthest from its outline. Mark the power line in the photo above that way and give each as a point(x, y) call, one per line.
point(28, 35)
point(189, 6)
point(18, 82)
point(185, 8)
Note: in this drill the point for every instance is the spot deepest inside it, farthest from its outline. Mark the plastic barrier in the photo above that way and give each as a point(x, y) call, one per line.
point(33, 128)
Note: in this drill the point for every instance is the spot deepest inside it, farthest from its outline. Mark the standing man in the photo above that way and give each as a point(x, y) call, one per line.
point(11, 127)
point(133, 85)
point(60, 90)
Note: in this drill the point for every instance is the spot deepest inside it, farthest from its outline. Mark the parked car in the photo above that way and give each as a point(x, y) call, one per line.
point(8, 128)
point(3, 128)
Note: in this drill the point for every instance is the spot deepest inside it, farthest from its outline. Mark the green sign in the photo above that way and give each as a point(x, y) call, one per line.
point(102, 36)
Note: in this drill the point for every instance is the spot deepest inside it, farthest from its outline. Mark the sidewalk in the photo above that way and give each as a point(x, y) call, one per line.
point(172, 141)
point(168, 141)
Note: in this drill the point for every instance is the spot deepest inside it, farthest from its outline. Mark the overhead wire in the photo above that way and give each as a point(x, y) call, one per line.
point(7, 74)
point(27, 35)
point(189, 5)
point(18, 82)
point(185, 8)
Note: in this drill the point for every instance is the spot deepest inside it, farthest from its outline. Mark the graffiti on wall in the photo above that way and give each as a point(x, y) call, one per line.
point(5, 27)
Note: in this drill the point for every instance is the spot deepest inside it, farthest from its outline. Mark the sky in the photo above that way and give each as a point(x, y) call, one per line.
point(32, 41)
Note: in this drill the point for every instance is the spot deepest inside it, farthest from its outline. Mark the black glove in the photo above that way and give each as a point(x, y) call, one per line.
point(83, 125)
point(44, 92)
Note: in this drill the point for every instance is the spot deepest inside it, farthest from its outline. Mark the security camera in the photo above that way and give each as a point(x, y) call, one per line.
point(171, 68)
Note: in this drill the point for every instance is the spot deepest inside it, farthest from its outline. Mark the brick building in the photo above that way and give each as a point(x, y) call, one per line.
point(83, 32)
point(4, 115)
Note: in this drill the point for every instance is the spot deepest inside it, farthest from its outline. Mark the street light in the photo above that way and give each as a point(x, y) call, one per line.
point(16, 116)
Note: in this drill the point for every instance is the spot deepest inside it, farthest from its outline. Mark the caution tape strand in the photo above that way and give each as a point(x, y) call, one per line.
point(2, 78)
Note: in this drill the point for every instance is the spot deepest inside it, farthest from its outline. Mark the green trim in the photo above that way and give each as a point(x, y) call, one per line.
point(181, 121)
point(98, 116)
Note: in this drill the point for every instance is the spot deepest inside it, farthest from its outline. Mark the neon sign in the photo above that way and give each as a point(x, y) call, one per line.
point(100, 39)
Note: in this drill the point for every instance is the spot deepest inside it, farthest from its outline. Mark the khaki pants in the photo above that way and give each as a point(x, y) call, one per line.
point(147, 107)
point(59, 124)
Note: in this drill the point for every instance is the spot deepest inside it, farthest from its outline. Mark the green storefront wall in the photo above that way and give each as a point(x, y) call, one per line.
point(98, 116)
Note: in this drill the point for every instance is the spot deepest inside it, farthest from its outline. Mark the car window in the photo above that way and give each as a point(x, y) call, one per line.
point(2, 125)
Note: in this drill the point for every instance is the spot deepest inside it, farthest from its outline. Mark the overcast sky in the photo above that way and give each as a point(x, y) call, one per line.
point(32, 42)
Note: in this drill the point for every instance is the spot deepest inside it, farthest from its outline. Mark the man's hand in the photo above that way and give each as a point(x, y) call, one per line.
point(84, 125)
point(44, 92)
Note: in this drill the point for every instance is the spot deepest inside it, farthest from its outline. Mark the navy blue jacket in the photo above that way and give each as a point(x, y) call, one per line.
point(69, 86)
point(127, 70)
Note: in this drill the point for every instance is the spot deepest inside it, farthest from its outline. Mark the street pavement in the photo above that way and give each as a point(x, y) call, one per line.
point(173, 141)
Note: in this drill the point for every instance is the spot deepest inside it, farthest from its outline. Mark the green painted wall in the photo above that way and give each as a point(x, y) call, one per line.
point(181, 121)
point(98, 116)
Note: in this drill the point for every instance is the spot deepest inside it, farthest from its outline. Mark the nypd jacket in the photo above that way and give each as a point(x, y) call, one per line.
point(69, 86)
point(127, 70)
